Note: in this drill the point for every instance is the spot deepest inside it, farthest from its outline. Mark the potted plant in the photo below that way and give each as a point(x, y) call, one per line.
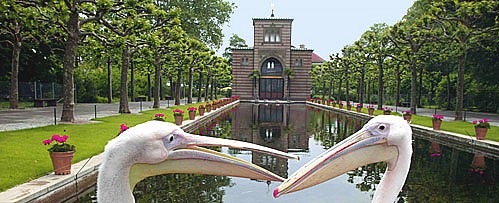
point(340, 104)
point(159, 117)
point(333, 103)
point(123, 128)
point(208, 107)
point(370, 110)
point(481, 127)
point(407, 115)
point(387, 111)
point(437, 121)
point(179, 116)
point(359, 107)
point(192, 112)
point(349, 106)
point(201, 110)
point(214, 104)
point(61, 154)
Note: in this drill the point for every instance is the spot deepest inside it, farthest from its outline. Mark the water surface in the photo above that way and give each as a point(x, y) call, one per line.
point(438, 173)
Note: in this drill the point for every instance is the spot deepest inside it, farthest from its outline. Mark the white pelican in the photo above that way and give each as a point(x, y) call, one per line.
point(382, 139)
point(157, 147)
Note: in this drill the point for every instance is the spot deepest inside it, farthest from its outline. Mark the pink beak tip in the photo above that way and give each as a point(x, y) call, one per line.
point(276, 193)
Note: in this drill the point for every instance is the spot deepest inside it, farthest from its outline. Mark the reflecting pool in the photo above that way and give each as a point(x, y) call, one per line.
point(438, 173)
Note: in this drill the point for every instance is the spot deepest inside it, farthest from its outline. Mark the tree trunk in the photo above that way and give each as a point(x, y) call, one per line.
point(369, 91)
point(414, 93)
point(157, 77)
point(191, 82)
point(380, 84)
point(420, 87)
point(172, 87)
point(347, 88)
point(109, 81)
point(330, 89)
point(460, 86)
point(14, 77)
point(339, 88)
point(149, 84)
point(448, 91)
point(211, 91)
point(132, 83)
point(397, 102)
point(361, 86)
point(207, 86)
point(199, 86)
point(70, 48)
point(125, 59)
point(177, 87)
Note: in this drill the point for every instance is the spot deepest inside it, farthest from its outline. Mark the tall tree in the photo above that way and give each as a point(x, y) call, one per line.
point(463, 22)
point(19, 23)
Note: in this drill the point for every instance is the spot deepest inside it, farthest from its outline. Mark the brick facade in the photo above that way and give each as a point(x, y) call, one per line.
point(272, 42)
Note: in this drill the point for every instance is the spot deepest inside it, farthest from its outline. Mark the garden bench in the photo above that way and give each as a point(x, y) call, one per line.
point(39, 102)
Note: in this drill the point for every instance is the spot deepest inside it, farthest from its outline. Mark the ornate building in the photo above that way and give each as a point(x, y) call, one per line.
point(271, 60)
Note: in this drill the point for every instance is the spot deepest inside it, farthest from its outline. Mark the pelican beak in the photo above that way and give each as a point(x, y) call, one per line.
point(185, 156)
point(364, 147)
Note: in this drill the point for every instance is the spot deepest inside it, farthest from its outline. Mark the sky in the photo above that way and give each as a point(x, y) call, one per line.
point(325, 26)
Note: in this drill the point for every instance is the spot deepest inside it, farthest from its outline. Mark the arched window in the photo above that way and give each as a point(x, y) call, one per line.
point(278, 36)
point(267, 36)
point(271, 66)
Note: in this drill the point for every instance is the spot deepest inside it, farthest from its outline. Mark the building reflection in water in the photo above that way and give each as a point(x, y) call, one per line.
point(279, 126)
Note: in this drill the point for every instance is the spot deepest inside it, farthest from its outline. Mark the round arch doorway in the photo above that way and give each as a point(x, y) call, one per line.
point(271, 81)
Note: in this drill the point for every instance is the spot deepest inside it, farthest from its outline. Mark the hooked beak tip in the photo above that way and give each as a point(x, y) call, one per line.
point(276, 193)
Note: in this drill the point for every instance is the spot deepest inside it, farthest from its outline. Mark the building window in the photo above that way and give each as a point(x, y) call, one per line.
point(272, 35)
point(271, 66)
point(299, 62)
point(245, 61)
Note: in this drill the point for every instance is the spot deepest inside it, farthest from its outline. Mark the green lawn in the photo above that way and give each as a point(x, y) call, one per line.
point(461, 127)
point(22, 105)
point(23, 157)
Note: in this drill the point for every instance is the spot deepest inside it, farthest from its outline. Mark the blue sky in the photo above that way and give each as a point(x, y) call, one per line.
point(322, 25)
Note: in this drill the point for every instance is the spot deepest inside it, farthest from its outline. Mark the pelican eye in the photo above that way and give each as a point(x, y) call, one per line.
point(171, 138)
point(382, 127)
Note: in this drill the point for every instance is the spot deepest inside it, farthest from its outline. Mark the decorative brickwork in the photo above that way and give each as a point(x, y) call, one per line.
point(271, 53)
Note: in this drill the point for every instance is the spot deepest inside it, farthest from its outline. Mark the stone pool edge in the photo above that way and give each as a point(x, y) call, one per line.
point(60, 188)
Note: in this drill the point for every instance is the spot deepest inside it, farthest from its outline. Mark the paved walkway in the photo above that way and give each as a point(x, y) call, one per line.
point(449, 115)
point(37, 117)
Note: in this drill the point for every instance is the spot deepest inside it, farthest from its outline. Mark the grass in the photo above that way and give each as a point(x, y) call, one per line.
point(23, 157)
point(22, 105)
point(461, 127)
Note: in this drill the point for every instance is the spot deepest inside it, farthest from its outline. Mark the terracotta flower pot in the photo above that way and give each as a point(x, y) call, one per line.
point(358, 109)
point(370, 111)
point(329, 103)
point(192, 115)
point(214, 107)
point(201, 111)
point(341, 106)
point(349, 107)
point(178, 120)
point(436, 124)
point(407, 118)
point(62, 162)
point(480, 133)
point(208, 109)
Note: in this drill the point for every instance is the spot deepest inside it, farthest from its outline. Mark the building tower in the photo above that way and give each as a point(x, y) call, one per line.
point(270, 61)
